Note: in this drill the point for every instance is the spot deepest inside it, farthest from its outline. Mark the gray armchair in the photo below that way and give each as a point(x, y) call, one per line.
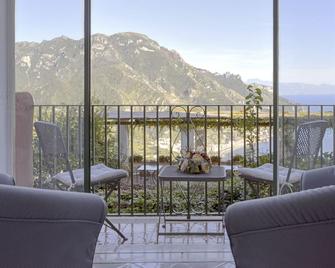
point(44, 228)
point(6, 179)
point(293, 230)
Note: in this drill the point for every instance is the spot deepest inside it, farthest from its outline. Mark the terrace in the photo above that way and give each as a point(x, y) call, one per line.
point(144, 139)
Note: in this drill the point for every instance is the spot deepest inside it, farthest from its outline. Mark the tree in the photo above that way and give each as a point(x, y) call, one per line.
point(253, 101)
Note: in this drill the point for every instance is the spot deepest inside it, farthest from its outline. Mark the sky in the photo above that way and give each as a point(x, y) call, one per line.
point(219, 35)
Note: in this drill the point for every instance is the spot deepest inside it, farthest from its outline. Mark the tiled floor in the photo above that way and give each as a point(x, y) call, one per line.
point(142, 250)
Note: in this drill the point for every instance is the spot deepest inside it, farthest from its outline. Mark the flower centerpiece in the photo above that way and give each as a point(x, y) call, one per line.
point(194, 162)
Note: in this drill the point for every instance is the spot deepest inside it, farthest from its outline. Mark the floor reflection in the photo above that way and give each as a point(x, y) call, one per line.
point(142, 250)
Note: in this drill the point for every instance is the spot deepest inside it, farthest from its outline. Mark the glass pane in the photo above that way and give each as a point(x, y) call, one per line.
point(50, 88)
point(307, 83)
point(173, 75)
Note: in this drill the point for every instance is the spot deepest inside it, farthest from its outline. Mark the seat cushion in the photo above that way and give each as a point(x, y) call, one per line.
point(100, 174)
point(265, 173)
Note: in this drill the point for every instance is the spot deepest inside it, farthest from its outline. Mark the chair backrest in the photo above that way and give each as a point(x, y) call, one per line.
point(52, 146)
point(308, 143)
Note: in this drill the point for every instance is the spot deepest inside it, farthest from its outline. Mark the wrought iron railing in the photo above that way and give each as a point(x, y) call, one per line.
point(142, 139)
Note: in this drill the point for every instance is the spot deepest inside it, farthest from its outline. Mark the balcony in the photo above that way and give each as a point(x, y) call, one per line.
point(143, 139)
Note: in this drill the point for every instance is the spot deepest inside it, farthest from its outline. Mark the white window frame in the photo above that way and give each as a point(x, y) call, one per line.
point(7, 85)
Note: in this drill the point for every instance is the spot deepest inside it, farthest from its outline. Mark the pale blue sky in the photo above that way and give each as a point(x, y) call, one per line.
point(218, 35)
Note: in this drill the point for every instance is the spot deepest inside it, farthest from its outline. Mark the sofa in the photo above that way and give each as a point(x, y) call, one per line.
point(293, 230)
point(45, 228)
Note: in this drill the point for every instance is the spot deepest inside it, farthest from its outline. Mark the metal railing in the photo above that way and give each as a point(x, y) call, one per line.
point(141, 139)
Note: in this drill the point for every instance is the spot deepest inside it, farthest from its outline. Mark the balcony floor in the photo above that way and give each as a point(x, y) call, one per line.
point(141, 250)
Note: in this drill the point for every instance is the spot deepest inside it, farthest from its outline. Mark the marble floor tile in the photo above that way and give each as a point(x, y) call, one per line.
point(141, 248)
point(167, 265)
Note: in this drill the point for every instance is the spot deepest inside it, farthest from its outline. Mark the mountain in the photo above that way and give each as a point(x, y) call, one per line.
point(127, 68)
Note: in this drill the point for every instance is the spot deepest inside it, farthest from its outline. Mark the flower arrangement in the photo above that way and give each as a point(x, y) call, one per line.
point(194, 162)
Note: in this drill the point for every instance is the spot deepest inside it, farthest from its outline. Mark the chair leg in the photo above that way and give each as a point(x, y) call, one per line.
point(253, 188)
point(108, 222)
point(112, 226)
point(113, 186)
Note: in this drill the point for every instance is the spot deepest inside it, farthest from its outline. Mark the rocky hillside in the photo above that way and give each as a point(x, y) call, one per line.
point(127, 68)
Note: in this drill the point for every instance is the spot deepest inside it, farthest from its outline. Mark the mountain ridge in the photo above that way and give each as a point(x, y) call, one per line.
point(127, 68)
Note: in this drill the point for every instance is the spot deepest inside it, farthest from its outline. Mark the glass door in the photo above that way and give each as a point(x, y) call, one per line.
point(307, 84)
point(177, 74)
point(49, 61)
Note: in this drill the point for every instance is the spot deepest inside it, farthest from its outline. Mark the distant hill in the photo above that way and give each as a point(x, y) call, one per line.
point(127, 68)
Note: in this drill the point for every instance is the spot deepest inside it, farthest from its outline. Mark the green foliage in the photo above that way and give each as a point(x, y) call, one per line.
point(215, 159)
point(164, 159)
point(136, 158)
point(253, 101)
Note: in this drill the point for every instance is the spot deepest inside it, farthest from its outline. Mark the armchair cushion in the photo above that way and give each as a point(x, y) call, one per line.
point(100, 174)
point(265, 173)
point(6, 179)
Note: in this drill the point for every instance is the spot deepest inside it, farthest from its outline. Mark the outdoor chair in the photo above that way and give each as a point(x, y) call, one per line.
point(293, 230)
point(306, 148)
point(46, 228)
point(55, 154)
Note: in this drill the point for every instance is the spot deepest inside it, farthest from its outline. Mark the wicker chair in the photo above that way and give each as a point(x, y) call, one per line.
point(55, 154)
point(306, 148)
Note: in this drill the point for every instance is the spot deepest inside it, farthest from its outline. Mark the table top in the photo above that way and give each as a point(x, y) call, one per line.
point(171, 173)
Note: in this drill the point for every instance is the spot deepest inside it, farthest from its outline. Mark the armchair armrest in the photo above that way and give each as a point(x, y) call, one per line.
point(280, 211)
point(316, 178)
point(29, 204)
point(293, 230)
point(6, 179)
point(44, 228)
